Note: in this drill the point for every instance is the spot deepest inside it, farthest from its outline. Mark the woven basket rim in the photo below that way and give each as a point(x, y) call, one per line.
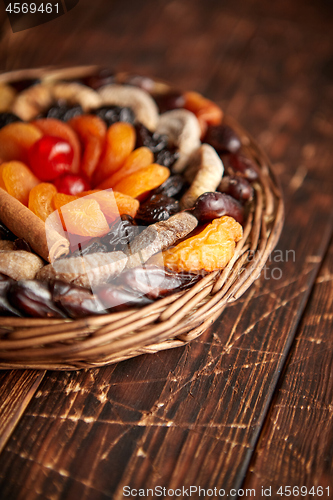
point(169, 322)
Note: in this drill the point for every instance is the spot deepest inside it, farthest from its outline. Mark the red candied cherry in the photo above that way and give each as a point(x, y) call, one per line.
point(71, 184)
point(50, 157)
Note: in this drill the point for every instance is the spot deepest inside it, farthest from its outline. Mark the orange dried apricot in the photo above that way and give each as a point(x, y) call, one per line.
point(40, 199)
point(16, 140)
point(61, 199)
point(208, 250)
point(2, 184)
point(57, 128)
point(113, 203)
point(139, 158)
point(84, 217)
point(18, 180)
point(143, 181)
point(207, 112)
point(92, 131)
point(120, 142)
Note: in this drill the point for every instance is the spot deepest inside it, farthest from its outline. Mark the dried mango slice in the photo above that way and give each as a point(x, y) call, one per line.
point(84, 217)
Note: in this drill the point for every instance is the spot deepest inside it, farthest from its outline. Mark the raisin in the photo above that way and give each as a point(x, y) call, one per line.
point(157, 208)
point(76, 301)
point(155, 142)
point(211, 206)
point(173, 186)
point(5, 233)
point(167, 157)
point(34, 299)
point(155, 282)
point(115, 298)
point(121, 233)
point(63, 112)
point(244, 165)
point(114, 114)
point(223, 138)
point(24, 84)
point(237, 187)
point(7, 118)
point(91, 247)
point(102, 77)
point(170, 100)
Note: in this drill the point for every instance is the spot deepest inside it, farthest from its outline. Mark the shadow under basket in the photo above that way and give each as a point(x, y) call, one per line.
point(169, 322)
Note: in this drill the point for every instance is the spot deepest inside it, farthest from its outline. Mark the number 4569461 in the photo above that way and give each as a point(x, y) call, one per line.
point(295, 491)
point(32, 8)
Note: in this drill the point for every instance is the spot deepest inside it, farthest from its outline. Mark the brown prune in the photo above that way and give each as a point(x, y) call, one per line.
point(114, 114)
point(121, 233)
point(155, 142)
point(143, 82)
point(170, 100)
point(76, 301)
point(237, 187)
point(34, 299)
point(157, 208)
point(6, 309)
point(155, 282)
point(115, 298)
point(223, 138)
point(7, 118)
point(24, 84)
point(210, 206)
point(244, 166)
point(172, 187)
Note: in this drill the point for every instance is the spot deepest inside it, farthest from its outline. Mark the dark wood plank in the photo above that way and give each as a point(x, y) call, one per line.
point(192, 416)
point(17, 387)
point(295, 447)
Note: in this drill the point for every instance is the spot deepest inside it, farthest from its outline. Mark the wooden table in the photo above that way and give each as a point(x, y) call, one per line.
point(249, 405)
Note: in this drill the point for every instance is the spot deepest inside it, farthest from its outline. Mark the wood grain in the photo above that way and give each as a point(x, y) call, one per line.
point(16, 390)
point(295, 446)
point(193, 416)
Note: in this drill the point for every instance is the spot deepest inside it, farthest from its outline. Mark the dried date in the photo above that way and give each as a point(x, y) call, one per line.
point(34, 299)
point(210, 206)
point(244, 166)
point(102, 77)
point(170, 100)
point(115, 298)
point(223, 139)
point(237, 187)
point(6, 309)
point(76, 301)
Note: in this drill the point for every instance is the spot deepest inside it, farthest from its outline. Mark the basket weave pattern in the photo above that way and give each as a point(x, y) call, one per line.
point(169, 322)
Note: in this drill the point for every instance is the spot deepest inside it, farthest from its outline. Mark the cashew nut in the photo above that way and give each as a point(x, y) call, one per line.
point(207, 168)
point(142, 104)
point(38, 98)
point(183, 130)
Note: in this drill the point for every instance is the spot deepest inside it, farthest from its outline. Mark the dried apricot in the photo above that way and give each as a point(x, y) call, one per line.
point(139, 158)
point(18, 180)
point(120, 142)
point(91, 131)
point(142, 181)
point(16, 140)
point(57, 128)
point(61, 199)
point(208, 250)
point(207, 112)
point(2, 184)
point(40, 199)
point(113, 204)
point(84, 217)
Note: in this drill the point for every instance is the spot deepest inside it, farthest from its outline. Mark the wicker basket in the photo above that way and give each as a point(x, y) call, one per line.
point(169, 322)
